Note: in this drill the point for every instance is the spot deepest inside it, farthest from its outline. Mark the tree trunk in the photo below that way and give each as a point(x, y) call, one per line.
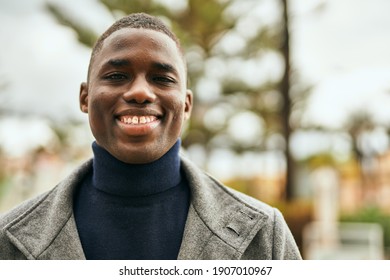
point(286, 109)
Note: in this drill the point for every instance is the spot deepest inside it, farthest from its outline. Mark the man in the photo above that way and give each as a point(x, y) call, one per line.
point(138, 198)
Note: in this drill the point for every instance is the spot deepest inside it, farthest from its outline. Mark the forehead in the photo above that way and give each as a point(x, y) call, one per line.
point(134, 40)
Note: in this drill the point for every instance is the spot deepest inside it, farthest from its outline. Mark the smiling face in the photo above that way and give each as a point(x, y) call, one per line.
point(136, 95)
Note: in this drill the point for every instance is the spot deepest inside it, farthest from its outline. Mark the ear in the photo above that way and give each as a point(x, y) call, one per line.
point(83, 98)
point(188, 104)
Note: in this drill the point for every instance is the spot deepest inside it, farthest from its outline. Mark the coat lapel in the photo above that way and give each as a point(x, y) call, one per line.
point(48, 229)
point(219, 225)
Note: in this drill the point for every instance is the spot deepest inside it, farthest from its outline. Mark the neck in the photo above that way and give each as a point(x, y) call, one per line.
point(115, 177)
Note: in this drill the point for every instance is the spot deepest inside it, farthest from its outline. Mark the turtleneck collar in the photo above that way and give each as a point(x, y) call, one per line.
point(115, 177)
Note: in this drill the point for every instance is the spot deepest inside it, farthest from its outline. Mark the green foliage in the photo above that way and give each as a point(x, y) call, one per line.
point(124, 7)
point(371, 215)
point(85, 34)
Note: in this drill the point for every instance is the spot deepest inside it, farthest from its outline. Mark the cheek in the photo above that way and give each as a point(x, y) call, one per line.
point(178, 109)
point(95, 121)
point(101, 100)
point(95, 110)
point(98, 112)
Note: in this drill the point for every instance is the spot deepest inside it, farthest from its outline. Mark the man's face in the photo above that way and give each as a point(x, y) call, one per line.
point(136, 97)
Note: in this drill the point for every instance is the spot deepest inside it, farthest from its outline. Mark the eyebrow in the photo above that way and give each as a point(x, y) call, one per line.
point(166, 67)
point(118, 62)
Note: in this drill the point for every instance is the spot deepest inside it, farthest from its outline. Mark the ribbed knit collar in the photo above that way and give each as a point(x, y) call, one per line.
point(115, 177)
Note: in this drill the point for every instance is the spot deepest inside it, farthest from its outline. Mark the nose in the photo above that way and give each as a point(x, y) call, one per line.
point(139, 91)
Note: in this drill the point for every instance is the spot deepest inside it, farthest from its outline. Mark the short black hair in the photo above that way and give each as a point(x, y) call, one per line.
point(135, 20)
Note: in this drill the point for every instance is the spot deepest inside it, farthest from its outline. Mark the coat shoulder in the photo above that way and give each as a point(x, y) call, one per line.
point(45, 211)
point(262, 232)
point(275, 236)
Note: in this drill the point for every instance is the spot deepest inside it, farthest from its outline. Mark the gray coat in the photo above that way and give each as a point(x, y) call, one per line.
point(221, 224)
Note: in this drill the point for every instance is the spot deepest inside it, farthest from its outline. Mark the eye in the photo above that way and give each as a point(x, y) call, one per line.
point(164, 80)
point(115, 77)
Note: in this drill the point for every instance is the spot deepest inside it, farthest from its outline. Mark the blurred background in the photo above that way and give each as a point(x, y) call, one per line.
point(292, 104)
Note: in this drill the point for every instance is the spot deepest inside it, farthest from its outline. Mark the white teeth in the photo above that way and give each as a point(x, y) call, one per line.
point(138, 119)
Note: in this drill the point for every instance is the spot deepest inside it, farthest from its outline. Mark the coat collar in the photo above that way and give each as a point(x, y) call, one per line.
point(220, 224)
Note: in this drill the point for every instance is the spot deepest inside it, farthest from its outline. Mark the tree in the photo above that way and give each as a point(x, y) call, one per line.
point(287, 103)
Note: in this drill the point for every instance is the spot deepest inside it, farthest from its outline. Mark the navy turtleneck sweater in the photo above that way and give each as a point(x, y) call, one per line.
point(132, 211)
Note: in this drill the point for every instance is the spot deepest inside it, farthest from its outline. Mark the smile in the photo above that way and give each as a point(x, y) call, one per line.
point(136, 120)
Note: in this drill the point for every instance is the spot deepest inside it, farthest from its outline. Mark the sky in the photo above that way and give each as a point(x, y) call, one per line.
point(40, 60)
point(340, 47)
